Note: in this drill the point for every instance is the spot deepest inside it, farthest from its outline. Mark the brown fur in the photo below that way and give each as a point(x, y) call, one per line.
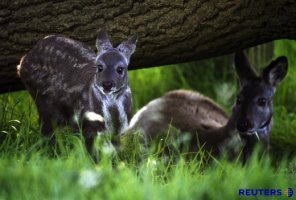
point(188, 112)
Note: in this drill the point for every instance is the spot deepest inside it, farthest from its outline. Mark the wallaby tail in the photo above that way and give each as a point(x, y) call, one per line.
point(19, 66)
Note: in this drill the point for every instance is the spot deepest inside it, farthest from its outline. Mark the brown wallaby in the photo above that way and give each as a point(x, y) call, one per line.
point(72, 85)
point(250, 120)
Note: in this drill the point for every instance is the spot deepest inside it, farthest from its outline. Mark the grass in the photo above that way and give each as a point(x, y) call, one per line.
point(31, 169)
point(77, 178)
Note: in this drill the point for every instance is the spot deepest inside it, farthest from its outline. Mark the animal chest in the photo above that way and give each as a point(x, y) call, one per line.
point(114, 115)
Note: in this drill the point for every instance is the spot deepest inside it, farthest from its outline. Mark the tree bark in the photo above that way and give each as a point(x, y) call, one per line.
point(168, 31)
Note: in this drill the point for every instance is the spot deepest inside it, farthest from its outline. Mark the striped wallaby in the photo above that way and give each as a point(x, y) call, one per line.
point(249, 122)
point(72, 84)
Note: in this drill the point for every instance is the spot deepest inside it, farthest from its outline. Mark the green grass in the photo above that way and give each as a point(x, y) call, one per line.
point(31, 169)
point(77, 178)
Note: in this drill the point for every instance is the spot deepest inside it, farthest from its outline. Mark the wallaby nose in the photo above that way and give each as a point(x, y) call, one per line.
point(108, 85)
point(243, 125)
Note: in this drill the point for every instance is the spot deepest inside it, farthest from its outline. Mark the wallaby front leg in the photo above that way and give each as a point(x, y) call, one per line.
point(92, 124)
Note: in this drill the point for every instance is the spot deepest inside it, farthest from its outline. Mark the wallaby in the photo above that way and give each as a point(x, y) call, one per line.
point(72, 85)
point(208, 125)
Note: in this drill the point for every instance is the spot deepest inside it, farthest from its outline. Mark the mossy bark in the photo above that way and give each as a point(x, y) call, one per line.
point(168, 31)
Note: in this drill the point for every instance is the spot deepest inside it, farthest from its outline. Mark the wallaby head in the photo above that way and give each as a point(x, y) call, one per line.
point(252, 112)
point(112, 63)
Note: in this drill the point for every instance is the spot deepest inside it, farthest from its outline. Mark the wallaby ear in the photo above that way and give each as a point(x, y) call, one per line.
point(103, 43)
point(243, 68)
point(276, 71)
point(128, 47)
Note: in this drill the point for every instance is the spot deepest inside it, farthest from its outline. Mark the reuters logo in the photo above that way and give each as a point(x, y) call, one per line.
point(288, 192)
point(276, 192)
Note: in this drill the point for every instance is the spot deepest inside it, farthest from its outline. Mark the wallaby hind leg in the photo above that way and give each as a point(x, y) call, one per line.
point(46, 119)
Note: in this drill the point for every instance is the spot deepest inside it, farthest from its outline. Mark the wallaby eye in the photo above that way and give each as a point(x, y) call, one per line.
point(238, 101)
point(100, 68)
point(120, 70)
point(262, 102)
